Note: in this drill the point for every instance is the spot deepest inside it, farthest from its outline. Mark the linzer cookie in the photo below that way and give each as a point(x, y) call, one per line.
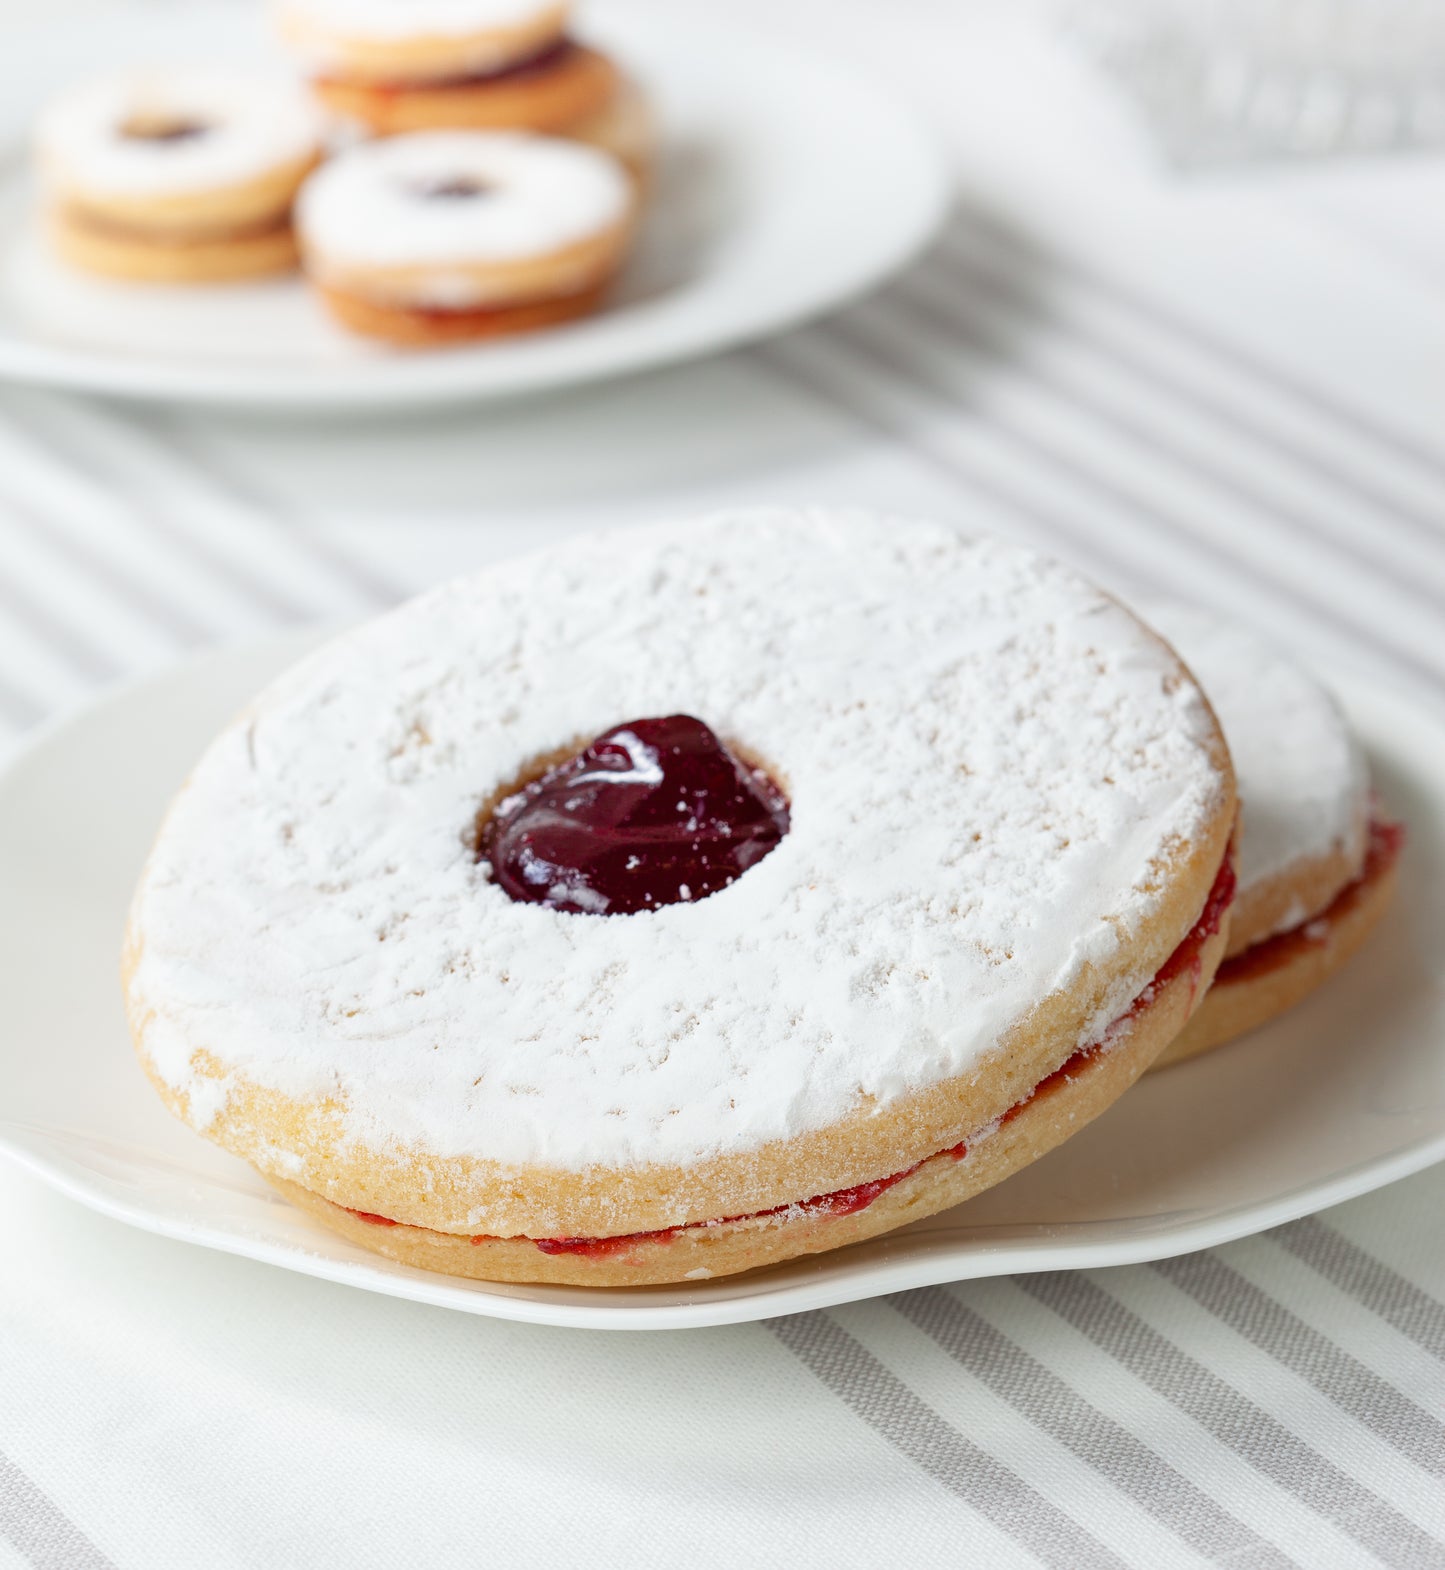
point(680, 901)
point(177, 176)
point(1317, 859)
point(473, 65)
point(450, 236)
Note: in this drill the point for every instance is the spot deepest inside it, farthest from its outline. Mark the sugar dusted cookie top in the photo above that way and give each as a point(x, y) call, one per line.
point(173, 131)
point(401, 19)
point(1303, 781)
point(987, 762)
point(460, 197)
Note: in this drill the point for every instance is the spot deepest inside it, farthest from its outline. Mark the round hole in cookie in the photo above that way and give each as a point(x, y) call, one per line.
point(652, 812)
point(153, 126)
point(455, 188)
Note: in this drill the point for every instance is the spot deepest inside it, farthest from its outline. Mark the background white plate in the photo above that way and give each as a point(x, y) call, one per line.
point(787, 186)
point(1345, 1094)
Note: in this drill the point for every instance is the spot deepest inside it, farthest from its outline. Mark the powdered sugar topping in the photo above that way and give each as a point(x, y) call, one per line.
point(459, 197)
point(398, 20)
point(984, 756)
point(243, 126)
point(1303, 780)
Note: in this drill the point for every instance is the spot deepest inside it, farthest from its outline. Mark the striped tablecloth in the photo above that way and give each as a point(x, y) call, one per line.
point(1229, 390)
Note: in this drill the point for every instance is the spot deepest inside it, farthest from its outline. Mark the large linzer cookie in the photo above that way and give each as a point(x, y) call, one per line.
point(685, 900)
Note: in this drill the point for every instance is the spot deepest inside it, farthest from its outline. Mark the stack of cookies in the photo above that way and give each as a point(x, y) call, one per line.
point(178, 177)
point(490, 182)
point(682, 901)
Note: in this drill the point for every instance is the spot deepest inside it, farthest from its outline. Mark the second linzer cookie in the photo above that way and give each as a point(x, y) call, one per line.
point(451, 236)
point(680, 901)
point(1317, 858)
point(177, 175)
point(397, 66)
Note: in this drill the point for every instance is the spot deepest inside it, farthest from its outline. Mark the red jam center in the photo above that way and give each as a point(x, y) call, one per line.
point(655, 812)
point(152, 129)
point(459, 188)
point(547, 58)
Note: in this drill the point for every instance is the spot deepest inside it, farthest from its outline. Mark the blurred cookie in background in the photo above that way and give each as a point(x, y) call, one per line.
point(397, 66)
point(177, 175)
point(448, 236)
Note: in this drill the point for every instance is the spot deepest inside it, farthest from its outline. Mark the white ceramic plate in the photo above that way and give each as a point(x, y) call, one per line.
point(787, 186)
point(1345, 1094)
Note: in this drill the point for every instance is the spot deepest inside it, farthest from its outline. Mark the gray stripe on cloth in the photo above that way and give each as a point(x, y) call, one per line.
point(1385, 1292)
point(39, 1530)
point(17, 710)
point(1118, 1455)
point(1221, 1291)
point(126, 586)
point(1236, 1421)
point(888, 1406)
point(185, 542)
point(783, 361)
point(1358, 422)
point(73, 648)
point(1318, 461)
point(870, 343)
point(985, 337)
point(182, 446)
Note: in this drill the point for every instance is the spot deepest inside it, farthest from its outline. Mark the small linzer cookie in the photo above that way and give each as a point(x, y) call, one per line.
point(683, 900)
point(1317, 860)
point(177, 176)
point(454, 235)
point(466, 65)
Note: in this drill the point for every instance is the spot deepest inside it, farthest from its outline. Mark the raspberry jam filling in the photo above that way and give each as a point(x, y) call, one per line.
point(841, 1202)
point(162, 129)
point(546, 59)
point(178, 239)
point(1382, 851)
point(655, 812)
point(1187, 958)
point(458, 188)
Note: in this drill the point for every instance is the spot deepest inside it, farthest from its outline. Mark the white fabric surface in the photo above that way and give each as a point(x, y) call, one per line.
point(1228, 389)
